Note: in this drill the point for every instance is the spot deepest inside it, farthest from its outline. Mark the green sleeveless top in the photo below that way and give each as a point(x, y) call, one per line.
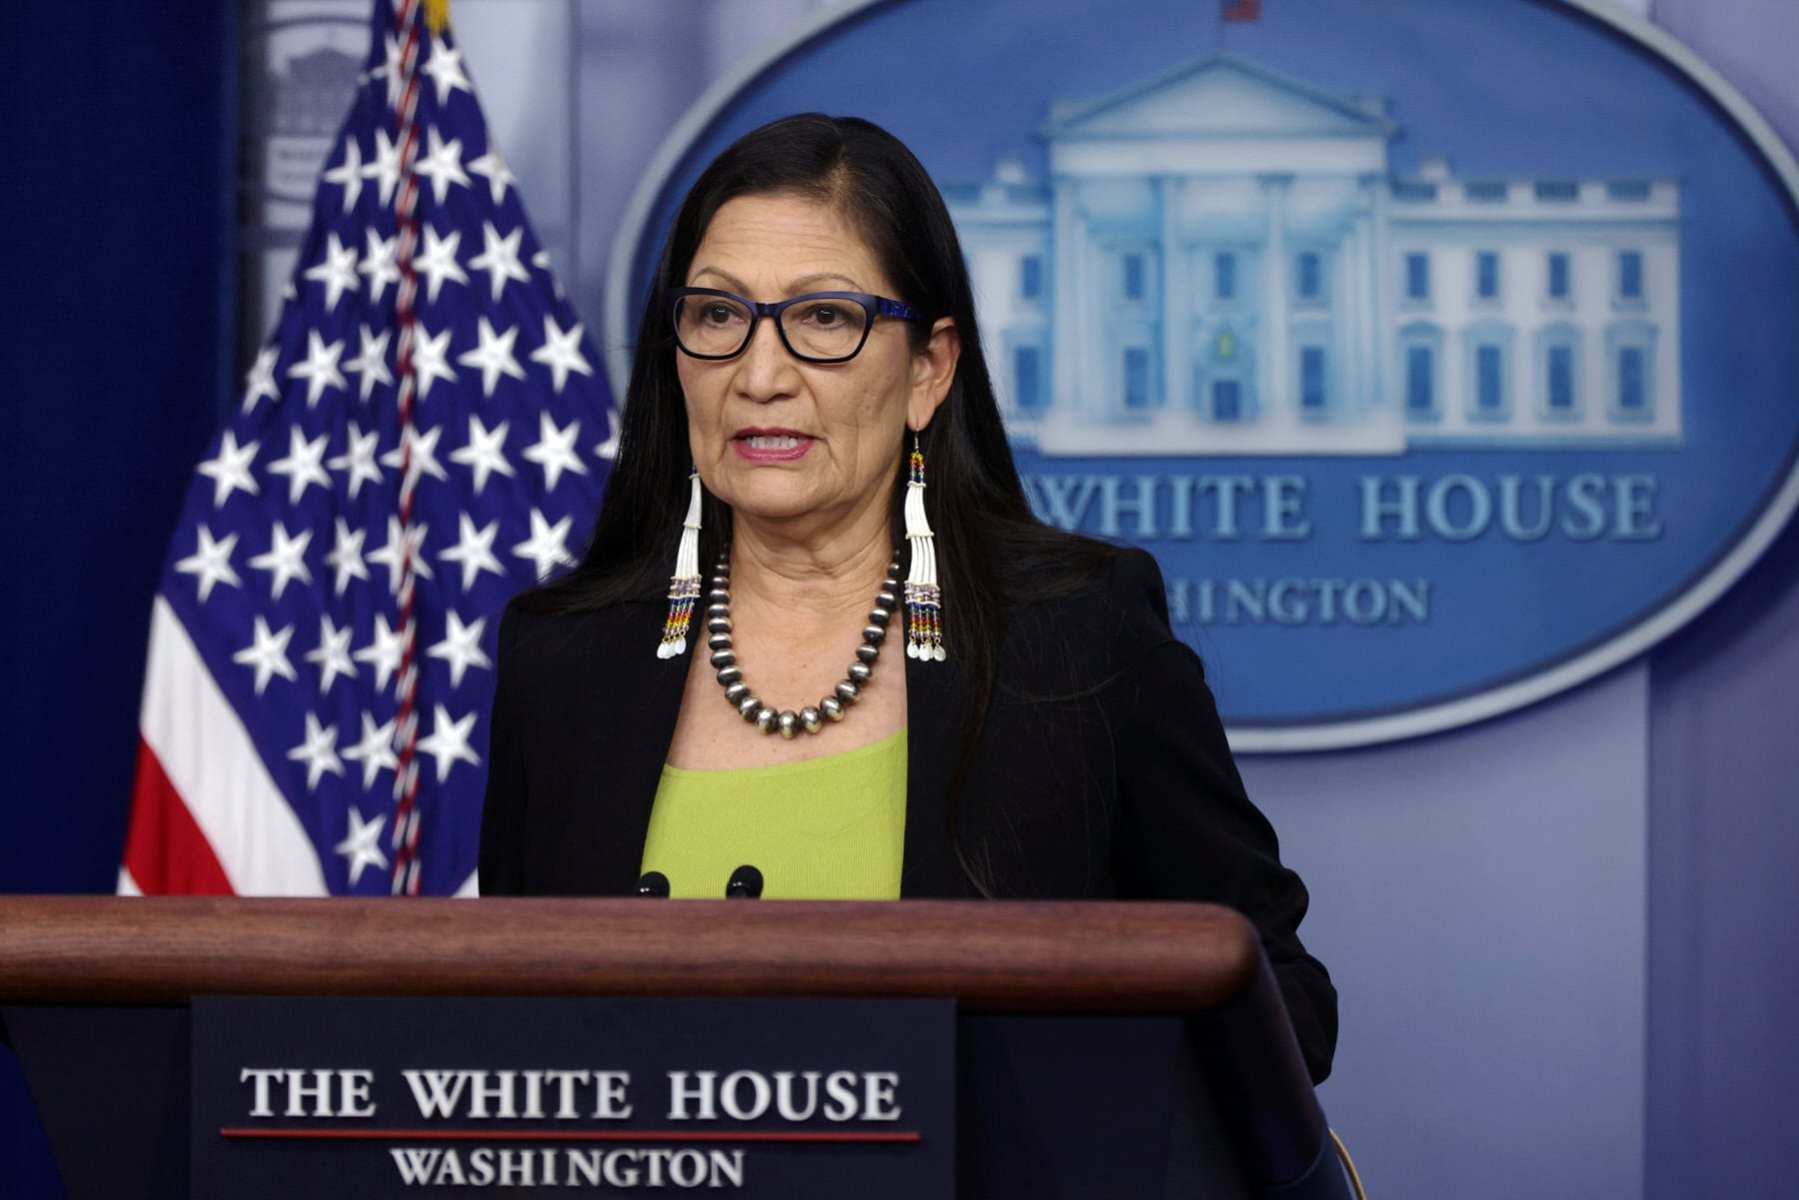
point(830, 828)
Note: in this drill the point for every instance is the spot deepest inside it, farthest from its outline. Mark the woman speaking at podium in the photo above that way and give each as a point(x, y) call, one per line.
point(818, 628)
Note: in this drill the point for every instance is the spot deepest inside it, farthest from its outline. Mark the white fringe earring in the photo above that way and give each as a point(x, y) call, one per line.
point(684, 587)
point(924, 601)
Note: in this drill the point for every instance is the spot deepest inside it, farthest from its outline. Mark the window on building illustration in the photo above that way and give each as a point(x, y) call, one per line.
point(1420, 368)
point(1224, 275)
point(1632, 398)
point(1489, 380)
point(1630, 275)
point(1227, 400)
point(1561, 379)
point(1027, 375)
point(1311, 276)
point(1486, 275)
point(1133, 277)
point(1558, 276)
point(1561, 191)
point(1417, 276)
point(1030, 276)
point(1136, 377)
point(1311, 378)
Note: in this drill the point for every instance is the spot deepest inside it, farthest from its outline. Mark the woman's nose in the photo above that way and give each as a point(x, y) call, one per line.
point(766, 371)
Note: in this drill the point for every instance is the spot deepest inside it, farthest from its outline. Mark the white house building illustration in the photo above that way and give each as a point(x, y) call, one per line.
point(1222, 263)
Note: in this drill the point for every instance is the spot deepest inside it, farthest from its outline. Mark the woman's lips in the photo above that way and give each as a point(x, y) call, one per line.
point(771, 447)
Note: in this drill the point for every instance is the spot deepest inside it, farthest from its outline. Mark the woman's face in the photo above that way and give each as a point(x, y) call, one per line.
point(772, 435)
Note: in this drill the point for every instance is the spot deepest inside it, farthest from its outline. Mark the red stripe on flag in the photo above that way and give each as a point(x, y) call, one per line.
point(164, 849)
point(1241, 10)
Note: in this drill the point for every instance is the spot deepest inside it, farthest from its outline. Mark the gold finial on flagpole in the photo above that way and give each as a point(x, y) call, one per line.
point(437, 15)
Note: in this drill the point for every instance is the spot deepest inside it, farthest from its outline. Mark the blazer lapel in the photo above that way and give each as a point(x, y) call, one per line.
point(646, 698)
point(934, 698)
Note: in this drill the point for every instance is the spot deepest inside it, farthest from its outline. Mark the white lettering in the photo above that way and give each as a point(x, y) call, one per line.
point(432, 1091)
point(609, 1095)
point(414, 1165)
point(700, 1092)
point(878, 1095)
point(840, 1087)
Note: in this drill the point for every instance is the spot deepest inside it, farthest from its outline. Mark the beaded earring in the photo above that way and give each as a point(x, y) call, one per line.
point(924, 601)
point(684, 586)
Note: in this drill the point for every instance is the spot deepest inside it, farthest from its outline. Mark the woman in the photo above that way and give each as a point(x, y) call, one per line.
point(810, 416)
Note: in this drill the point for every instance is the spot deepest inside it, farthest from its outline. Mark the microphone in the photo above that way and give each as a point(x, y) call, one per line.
point(653, 884)
point(746, 884)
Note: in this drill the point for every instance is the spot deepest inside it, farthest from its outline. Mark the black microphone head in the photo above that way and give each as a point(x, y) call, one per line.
point(653, 883)
point(746, 884)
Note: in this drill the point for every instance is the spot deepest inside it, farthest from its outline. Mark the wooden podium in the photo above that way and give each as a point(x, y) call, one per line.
point(1115, 1049)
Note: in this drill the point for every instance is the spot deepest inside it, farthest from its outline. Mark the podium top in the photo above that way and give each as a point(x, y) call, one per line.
point(995, 956)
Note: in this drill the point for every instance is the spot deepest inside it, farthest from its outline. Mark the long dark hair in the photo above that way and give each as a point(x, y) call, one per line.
point(993, 552)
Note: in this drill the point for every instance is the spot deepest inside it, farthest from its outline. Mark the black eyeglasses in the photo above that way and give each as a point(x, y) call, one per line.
point(820, 327)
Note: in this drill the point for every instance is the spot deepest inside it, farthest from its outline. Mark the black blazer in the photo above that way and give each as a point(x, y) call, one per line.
point(1101, 770)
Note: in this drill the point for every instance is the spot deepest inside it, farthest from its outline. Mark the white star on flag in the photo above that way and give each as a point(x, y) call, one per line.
point(461, 646)
point(348, 174)
point(285, 559)
point(389, 555)
point(448, 742)
point(230, 470)
point(318, 752)
point(385, 166)
point(320, 368)
point(371, 361)
point(483, 454)
point(428, 359)
point(345, 558)
point(384, 652)
point(336, 271)
point(358, 457)
point(493, 356)
point(443, 166)
point(499, 257)
point(498, 173)
point(423, 459)
point(211, 563)
point(608, 449)
point(378, 263)
point(332, 654)
point(554, 450)
point(394, 53)
point(438, 261)
point(473, 550)
point(445, 69)
point(259, 382)
point(304, 465)
point(547, 547)
point(363, 845)
point(374, 751)
point(267, 653)
point(561, 352)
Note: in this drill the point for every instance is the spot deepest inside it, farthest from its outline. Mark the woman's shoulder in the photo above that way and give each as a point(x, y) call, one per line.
point(543, 632)
point(1097, 623)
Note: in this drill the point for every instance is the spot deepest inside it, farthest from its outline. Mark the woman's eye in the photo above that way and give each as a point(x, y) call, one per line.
point(718, 314)
point(825, 315)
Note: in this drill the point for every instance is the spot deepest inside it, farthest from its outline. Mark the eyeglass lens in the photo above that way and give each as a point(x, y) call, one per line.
point(717, 326)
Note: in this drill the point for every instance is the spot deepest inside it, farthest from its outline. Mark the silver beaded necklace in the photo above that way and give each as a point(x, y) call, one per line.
point(833, 707)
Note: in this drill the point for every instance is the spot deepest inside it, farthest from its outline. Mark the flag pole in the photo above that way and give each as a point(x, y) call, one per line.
point(407, 21)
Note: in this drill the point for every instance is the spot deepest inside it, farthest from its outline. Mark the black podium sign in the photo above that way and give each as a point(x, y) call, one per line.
point(388, 1097)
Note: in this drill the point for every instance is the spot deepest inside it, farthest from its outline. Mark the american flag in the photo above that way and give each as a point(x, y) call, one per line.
point(425, 433)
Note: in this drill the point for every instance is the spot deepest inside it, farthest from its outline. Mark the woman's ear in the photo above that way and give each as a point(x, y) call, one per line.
point(933, 370)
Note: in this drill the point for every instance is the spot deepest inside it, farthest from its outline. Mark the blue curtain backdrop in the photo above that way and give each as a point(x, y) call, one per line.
point(120, 125)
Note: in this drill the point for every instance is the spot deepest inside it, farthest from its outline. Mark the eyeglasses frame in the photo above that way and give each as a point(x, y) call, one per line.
point(875, 307)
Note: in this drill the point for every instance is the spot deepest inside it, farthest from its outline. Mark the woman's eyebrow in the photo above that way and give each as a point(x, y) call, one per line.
point(794, 287)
